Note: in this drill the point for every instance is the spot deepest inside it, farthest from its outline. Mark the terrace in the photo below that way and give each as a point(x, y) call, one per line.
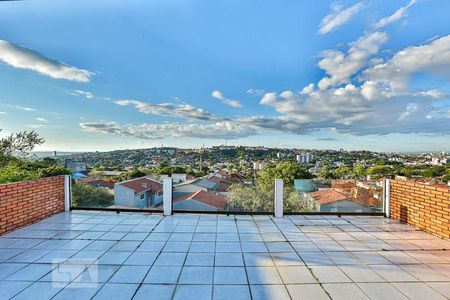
point(106, 255)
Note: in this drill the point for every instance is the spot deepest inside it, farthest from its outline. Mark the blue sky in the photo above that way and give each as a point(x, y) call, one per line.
point(102, 75)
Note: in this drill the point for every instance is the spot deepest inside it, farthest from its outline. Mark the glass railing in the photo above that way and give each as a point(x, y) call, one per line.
point(335, 196)
point(223, 194)
point(142, 193)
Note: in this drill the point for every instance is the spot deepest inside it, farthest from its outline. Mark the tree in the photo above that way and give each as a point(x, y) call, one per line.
point(249, 198)
point(253, 199)
point(343, 172)
point(84, 195)
point(54, 171)
point(446, 177)
point(135, 174)
point(18, 143)
point(15, 173)
point(326, 172)
point(21, 142)
point(295, 201)
point(380, 171)
point(359, 172)
point(287, 170)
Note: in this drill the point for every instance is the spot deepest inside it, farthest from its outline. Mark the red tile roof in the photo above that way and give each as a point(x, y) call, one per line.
point(327, 196)
point(143, 184)
point(216, 200)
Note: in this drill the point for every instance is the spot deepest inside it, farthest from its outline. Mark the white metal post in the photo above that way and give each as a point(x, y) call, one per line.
point(387, 198)
point(167, 196)
point(278, 198)
point(67, 192)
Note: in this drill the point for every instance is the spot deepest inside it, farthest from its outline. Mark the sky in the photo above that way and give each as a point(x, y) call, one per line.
point(105, 75)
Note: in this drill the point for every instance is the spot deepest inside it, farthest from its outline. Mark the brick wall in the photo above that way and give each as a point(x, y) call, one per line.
point(27, 202)
point(367, 196)
point(424, 206)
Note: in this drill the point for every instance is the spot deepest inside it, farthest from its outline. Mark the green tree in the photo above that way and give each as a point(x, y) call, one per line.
point(17, 143)
point(135, 174)
point(446, 177)
point(326, 172)
point(84, 195)
point(54, 171)
point(287, 170)
point(295, 201)
point(253, 199)
point(359, 172)
point(250, 198)
point(380, 171)
point(15, 173)
point(343, 172)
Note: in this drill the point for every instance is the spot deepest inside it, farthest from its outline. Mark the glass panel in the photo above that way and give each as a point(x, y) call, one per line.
point(222, 191)
point(143, 192)
point(349, 196)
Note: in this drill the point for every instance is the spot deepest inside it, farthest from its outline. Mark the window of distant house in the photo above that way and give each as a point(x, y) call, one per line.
point(142, 196)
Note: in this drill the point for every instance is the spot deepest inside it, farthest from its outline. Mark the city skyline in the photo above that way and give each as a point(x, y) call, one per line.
point(350, 74)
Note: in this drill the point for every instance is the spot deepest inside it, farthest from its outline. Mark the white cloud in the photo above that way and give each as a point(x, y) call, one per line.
point(410, 109)
point(36, 126)
point(40, 119)
point(24, 108)
point(256, 92)
point(3, 113)
point(86, 94)
point(229, 102)
point(341, 66)
point(183, 111)
point(219, 130)
point(432, 58)
point(308, 89)
point(397, 15)
point(25, 58)
point(363, 97)
point(338, 17)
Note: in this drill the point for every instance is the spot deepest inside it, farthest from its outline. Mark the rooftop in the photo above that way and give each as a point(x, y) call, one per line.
point(214, 200)
point(142, 184)
point(327, 196)
point(105, 255)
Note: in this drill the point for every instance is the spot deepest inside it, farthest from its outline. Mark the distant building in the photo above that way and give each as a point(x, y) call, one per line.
point(438, 161)
point(75, 165)
point(305, 158)
point(140, 192)
point(199, 184)
point(281, 155)
point(258, 165)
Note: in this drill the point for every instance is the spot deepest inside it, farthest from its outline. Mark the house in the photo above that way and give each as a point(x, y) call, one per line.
point(200, 201)
point(191, 186)
point(140, 192)
point(331, 200)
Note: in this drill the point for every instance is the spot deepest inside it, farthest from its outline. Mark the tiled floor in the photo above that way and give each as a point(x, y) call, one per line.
point(84, 255)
